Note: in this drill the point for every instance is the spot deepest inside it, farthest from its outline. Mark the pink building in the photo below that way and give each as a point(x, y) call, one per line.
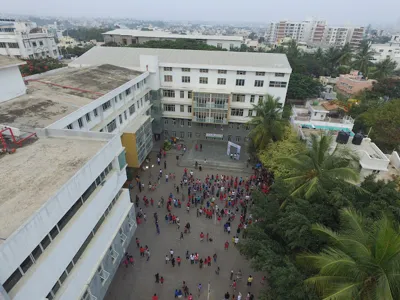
point(353, 83)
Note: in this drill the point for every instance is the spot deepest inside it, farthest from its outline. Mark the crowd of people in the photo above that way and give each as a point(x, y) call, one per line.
point(218, 198)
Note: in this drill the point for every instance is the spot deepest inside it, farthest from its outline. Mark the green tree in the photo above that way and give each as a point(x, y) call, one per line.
point(86, 34)
point(331, 60)
point(346, 55)
point(361, 262)
point(303, 87)
point(318, 165)
point(268, 124)
point(384, 122)
point(186, 44)
point(288, 146)
point(384, 69)
point(362, 59)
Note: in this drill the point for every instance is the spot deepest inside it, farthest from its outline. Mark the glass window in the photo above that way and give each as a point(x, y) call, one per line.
point(63, 277)
point(182, 108)
point(186, 79)
point(182, 122)
point(106, 105)
point(37, 252)
point(169, 93)
point(203, 70)
point(45, 242)
point(189, 108)
point(88, 117)
point(95, 112)
point(26, 264)
point(189, 123)
point(222, 71)
point(185, 69)
point(167, 68)
point(260, 73)
point(279, 74)
point(189, 135)
point(182, 135)
point(259, 83)
point(252, 98)
point(88, 192)
point(280, 84)
point(54, 232)
point(80, 122)
point(69, 214)
point(182, 94)
point(12, 280)
point(132, 109)
point(69, 267)
point(168, 78)
point(241, 72)
point(125, 115)
point(190, 94)
point(169, 107)
point(240, 82)
point(55, 288)
point(221, 81)
point(203, 80)
point(127, 92)
point(70, 126)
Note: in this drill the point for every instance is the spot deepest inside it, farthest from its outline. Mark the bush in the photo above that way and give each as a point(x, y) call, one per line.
point(36, 66)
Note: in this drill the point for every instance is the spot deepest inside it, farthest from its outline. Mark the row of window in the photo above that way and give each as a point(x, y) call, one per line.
point(107, 105)
point(181, 122)
point(80, 252)
point(239, 112)
point(171, 107)
point(32, 258)
point(220, 81)
point(239, 72)
point(10, 45)
point(235, 97)
point(189, 135)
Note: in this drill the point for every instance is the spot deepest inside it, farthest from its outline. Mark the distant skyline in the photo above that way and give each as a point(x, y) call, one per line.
point(338, 12)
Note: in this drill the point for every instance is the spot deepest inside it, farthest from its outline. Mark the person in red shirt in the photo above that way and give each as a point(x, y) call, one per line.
point(155, 297)
point(162, 280)
point(201, 236)
point(178, 260)
point(152, 202)
point(190, 297)
point(141, 251)
point(226, 245)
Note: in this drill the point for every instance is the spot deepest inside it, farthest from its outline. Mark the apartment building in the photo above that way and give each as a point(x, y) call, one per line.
point(65, 219)
point(304, 31)
point(314, 32)
point(201, 94)
point(26, 40)
point(339, 36)
point(103, 98)
point(129, 36)
point(383, 51)
point(353, 83)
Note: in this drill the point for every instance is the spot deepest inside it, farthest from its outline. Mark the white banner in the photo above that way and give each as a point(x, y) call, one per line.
point(228, 150)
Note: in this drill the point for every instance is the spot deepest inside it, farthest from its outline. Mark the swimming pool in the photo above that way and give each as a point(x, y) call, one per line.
point(331, 128)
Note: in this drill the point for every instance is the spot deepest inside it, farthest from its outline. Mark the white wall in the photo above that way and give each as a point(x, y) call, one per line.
point(21, 243)
point(11, 83)
point(102, 119)
point(224, 43)
point(395, 159)
point(59, 254)
point(98, 247)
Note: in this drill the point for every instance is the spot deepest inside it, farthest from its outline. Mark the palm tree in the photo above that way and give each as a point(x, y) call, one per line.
point(384, 68)
point(362, 60)
point(268, 124)
point(316, 167)
point(331, 58)
point(346, 54)
point(361, 262)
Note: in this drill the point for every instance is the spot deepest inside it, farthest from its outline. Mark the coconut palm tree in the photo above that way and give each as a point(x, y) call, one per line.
point(331, 58)
point(268, 124)
point(362, 59)
point(384, 69)
point(346, 55)
point(362, 261)
point(313, 169)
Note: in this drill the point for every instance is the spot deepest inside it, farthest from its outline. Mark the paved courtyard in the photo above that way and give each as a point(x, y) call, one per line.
point(138, 281)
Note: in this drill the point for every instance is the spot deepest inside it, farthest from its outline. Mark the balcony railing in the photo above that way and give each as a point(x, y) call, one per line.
point(211, 105)
point(210, 120)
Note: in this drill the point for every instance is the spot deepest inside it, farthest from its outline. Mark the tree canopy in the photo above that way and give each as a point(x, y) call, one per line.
point(86, 34)
point(303, 87)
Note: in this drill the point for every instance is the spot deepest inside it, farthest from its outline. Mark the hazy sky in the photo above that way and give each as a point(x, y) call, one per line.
point(343, 12)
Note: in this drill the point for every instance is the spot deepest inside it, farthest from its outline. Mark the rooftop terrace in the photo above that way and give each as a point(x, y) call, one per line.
point(52, 97)
point(35, 172)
